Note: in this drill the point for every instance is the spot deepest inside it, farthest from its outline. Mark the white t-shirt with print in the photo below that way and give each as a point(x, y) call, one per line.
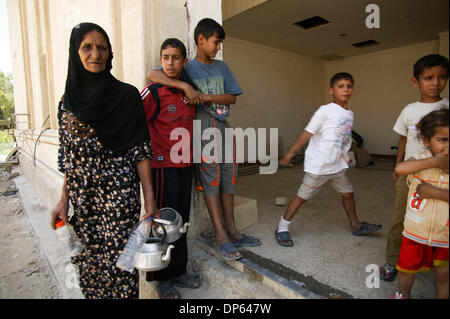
point(407, 120)
point(331, 126)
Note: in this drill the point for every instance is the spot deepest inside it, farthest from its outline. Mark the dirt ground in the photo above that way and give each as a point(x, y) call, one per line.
point(24, 271)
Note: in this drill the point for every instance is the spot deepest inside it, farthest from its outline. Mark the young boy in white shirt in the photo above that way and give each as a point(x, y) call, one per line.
point(329, 133)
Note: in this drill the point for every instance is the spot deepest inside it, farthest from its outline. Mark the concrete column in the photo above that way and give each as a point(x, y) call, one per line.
point(17, 16)
point(48, 95)
point(37, 67)
point(197, 10)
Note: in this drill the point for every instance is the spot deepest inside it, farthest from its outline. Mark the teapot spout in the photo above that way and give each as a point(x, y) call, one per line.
point(184, 228)
point(166, 257)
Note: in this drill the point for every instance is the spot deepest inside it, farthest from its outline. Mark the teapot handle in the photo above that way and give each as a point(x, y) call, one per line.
point(161, 226)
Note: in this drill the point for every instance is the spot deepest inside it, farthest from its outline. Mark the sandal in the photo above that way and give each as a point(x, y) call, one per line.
point(366, 228)
point(167, 291)
point(247, 241)
point(188, 281)
point(225, 251)
point(387, 272)
point(282, 238)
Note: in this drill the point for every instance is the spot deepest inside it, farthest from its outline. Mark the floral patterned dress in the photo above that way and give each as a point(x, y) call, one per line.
point(104, 190)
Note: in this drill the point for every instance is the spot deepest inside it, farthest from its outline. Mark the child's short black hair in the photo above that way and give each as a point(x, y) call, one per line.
point(428, 124)
point(208, 27)
point(173, 43)
point(428, 62)
point(340, 76)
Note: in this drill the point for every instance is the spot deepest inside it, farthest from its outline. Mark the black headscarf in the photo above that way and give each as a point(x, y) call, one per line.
point(112, 108)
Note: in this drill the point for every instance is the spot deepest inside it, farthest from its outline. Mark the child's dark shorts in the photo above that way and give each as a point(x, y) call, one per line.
point(217, 170)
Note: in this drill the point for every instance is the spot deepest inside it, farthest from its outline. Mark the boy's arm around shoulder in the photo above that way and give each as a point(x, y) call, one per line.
point(160, 77)
point(413, 165)
point(232, 88)
point(224, 99)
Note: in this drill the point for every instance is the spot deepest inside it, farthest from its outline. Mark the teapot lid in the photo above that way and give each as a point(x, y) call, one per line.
point(169, 215)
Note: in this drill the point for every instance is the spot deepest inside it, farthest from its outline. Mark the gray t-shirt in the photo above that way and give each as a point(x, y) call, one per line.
point(215, 78)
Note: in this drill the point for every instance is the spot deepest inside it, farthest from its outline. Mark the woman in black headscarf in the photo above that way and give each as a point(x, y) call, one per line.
point(104, 155)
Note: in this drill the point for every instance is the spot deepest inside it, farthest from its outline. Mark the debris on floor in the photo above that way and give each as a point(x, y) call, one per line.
point(13, 175)
point(281, 201)
point(10, 192)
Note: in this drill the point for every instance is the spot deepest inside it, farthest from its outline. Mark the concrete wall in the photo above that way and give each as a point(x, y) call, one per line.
point(281, 89)
point(40, 33)
point(382, 89)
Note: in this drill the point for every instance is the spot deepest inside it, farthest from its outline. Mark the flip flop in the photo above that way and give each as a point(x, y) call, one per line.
point(188, 281)
point(366, 228)
point(225, 251)
point(10, 192)
point(247, 241)
point(282, 237)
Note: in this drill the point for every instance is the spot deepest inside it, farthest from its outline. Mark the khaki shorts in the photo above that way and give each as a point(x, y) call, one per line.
point(312, 183)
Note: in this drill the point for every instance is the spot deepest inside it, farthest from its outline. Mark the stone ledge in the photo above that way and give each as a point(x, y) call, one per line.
point(245, 212)
point(219, 280)
point(282, 286)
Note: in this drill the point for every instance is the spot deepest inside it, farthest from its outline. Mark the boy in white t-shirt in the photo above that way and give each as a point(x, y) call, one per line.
point(329, 133)
point(430, 75)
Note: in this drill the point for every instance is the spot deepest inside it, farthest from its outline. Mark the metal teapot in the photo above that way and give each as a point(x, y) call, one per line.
point(154, 254)
point(172, 222)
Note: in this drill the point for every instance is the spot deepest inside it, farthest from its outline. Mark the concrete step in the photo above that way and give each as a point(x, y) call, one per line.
point(219, 280)
point(257, 275)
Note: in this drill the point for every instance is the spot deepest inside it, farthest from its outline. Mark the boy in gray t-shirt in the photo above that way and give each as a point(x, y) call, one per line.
point(213, 79)
point(218, 90)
